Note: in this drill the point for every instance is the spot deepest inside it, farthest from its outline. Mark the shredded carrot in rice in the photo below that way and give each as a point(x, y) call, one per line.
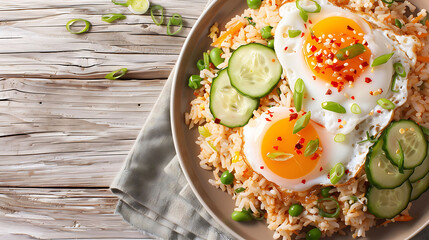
point(402, 218)
point(423, 35)
point(296, 233)
point(416, 19)
point(230, 32)
point(423, 59)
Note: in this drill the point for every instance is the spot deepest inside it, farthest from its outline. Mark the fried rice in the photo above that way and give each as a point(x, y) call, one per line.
point(222, 149)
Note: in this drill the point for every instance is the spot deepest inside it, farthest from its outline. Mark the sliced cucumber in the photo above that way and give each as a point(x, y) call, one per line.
point(421, 170)
point(387, 203)
point(419, 187)
point(227, 105)
point(381, 172)
point(254, 70)
point(411, 139)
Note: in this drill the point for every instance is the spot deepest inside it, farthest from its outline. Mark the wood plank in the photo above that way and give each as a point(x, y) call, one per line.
point(77, 132)
point(28, 213)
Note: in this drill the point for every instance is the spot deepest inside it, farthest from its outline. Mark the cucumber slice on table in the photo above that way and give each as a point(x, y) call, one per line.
point(254, 70)
point(229, 106)
point(421, 171)
point(387, 203)
point(412, 140)
point(381, 172)
point(420, 187)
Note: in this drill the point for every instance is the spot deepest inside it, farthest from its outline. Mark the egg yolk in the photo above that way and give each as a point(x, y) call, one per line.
point(327, 38)
point(280, 139)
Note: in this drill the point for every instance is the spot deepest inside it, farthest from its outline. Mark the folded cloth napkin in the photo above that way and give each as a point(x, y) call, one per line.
point(153, 192)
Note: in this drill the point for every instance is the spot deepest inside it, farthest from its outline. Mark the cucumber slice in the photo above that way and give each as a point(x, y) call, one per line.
point(228, 105)
point(381, 172)
point(412, 140)
point(419, 187)
point(254, 70)
point(421, 170)
point(387, 203)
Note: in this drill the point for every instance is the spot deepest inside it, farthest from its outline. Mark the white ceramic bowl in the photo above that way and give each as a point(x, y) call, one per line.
point(216, 202)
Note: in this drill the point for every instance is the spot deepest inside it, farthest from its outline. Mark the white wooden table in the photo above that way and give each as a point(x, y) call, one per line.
point(64, 129)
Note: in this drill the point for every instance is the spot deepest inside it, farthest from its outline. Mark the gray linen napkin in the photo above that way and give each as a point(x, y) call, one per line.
point(153, 192)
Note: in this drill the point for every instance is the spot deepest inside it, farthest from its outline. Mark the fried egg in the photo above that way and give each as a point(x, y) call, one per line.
point(311, 56)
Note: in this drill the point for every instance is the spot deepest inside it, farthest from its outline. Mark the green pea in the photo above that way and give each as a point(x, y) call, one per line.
point(254, 4)
point(266, 32)
point(243, 216)
point(226, 178)
point(200, 64)
point(295, 210)
point(194, 81)
point(313, 234)
point(271, 43)
point(215, 56)
point(325, 191)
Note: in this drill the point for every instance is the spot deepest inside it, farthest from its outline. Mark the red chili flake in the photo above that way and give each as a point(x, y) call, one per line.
point(330, 56)
point(349, 78)
point(356, 41)
point(314, 77)
point(302, 35)
point(261, 167)
point(329, 92)
point(352, 97)
point(315, 156)
point(291, 110)
point(347, 171)
point(279, 139)
point(312, 98)
point(340, 88)
point(298, 151)
point(303, 181)
point(268, 120)
point(196, 94)
point(338, 44)
point(364, 64)
point(319, 59)
point(366, 43)
point(334, 84)
point(321, 169)
point(293, 116)
point(338, 68)
point(305, 25)
point(271, 115)
point(355, 71)
point(269, 112)
point(217, 120)
point(276, 147)
point(313, 48)
point(379, 111)
point(286, 48)
point(298, 146)
point(350, 28)
point(368, 80)
point(329, 176)
point(302, 140)
point(212, 65)
point(310, 21)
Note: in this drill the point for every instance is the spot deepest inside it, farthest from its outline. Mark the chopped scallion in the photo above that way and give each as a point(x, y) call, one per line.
point(327, 214)
point(160, 9)
point(304, 15)
point(382, 59)
point(279, 156)
point(138, 6)
point(333, 107)
point(206, 60)
point(398, 23)
point(116, 74)
point(175, 20)
point(350, 52)
point(355, 109)
point(310, 7)
point(302, 122)
point(336, 173)
point(312, 147)
point(399, 69)
point(339, 138)
point(111, 17)
point(204, 131)
point(120, 3)
point(298, 94)
point(393, 85)
point(73, 21)
point(294, 33)
point(250, 20)
point(388, 1)
point(386, 103)
point(239, 190)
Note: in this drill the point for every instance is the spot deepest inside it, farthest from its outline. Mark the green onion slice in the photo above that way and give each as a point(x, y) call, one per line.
point(120, 3)
point(393, 85)
point(206, 58)
point(336, 173)
point(354, 198)
point(324, 213)
point(398, 23)
point(311, 148)
point(423, 21)
point(339, 138)
point(333, 107)
point(116, 74)
point(160, 9)
point(350, 52)
point(388, 1)
point(308, 6)
point(204, 131)
point(399, 69)
point(279, 156)
point(239, 190)
point(382, 59)
point(111, 17)
point(212, 146)
point(138, 6)
point(294, 33)
point(401, 159)
point(386, 103)
point(298, 94)
point(355, 109)
point(73, 21)
point(302, 122)
point(371, 139)
point(304, 15)
point(175, 20)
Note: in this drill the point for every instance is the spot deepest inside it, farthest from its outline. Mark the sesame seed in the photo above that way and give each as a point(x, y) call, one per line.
point(343, 40)
point(325, 52)
point(335, 60)
point(330, 36)
point(354, 31)
point(360, 34)
point(412, 129)
point(360, 66)
point(320, 65)
point(349, 38)
point(347, 53)
point(346, 64)
point(364, 41)
point(329, 62)
point(339, 78)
